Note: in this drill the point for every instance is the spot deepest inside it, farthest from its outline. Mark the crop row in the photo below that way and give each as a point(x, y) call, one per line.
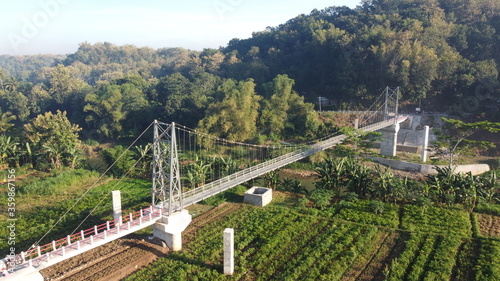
point(425, 257)
point(270, 244)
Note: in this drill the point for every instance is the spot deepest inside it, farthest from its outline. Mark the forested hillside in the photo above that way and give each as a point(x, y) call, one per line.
point(441, 52)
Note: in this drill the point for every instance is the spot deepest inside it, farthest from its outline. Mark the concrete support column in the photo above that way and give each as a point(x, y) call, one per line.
point(425, 144)
point(229, 251)
point(117, 205)
point(170, 228)
point(389, 140)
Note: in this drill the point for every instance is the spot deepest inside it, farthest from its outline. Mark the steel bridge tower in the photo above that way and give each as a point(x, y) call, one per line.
point(391, 102)
point(166, 175)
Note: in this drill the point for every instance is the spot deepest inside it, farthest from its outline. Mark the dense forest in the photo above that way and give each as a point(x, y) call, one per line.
point(439, 52)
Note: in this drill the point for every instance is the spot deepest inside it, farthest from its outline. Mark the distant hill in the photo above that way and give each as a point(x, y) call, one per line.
point(22, 66)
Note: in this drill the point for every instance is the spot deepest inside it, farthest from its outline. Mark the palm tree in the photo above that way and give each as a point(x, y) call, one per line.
point(11, 84)
point(3, 74)
point(7, 149)
point(145, 157)
point(5, 121)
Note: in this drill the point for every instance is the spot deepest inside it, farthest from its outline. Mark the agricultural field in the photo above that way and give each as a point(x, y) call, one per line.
point(282, 243)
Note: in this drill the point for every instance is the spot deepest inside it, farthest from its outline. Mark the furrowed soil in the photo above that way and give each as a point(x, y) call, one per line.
point(489, 225)
point(120, 258)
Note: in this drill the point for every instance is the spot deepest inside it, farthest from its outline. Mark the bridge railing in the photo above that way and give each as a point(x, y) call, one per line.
point(72, 241)
point(300, 153)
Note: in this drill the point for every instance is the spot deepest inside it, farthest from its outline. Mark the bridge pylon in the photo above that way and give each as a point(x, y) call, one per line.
point(166, 171)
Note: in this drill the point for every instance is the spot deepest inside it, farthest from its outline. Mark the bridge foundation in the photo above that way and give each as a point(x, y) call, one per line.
point(29, 273)
point(170, 228)
point(389, 140)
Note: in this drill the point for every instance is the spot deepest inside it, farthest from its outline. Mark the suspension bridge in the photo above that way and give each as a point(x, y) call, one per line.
point(178, 182)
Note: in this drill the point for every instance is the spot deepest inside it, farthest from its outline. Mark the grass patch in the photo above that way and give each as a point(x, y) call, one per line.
point(436, 220)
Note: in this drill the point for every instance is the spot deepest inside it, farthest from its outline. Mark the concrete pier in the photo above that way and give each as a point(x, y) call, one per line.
point(389, 140)
point(170, 228)
point(229, 251)
point(117, 206)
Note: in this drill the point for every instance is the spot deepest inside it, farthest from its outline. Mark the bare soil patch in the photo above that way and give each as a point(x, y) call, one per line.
point(110, 262)
point(489, 225)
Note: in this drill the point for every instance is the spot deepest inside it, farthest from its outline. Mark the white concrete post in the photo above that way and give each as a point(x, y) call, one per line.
point(53, 245)
point(425, 144)
point(356, 123)
point(69, 239)
point(95, 229)
point(39, 251)
point(83, 234)
point(117, 206)
point(229, 251)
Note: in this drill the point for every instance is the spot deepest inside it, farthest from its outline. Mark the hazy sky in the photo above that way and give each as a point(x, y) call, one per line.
point(57, 26)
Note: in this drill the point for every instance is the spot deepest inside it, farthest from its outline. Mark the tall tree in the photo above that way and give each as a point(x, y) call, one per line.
point(106, 108)
point(235, 116)
point(5, 121)
point(454, 137)
point(285, 112)
point(53, 137)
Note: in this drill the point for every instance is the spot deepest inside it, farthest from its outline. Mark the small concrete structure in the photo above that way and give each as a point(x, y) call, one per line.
point(389, 140)
point(259, 196)
point(170, 228)
point(117, 206)
point(229, 251)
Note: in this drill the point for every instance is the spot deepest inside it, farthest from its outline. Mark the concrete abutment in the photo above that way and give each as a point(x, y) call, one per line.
point(170, 228)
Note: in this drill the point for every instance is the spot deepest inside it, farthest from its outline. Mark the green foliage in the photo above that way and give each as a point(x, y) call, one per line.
point(366, 212)
point(285, 113)
point(273, 243)
point(235, 116)
point(106, 108)
point(54, 138)
point(321, 197)
point(121, 159)
point(488, 264)
point(32, 223)
point(490, 209)
point(436, 220)
point(58, 184)
point(454, 137)
point(425, 257)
